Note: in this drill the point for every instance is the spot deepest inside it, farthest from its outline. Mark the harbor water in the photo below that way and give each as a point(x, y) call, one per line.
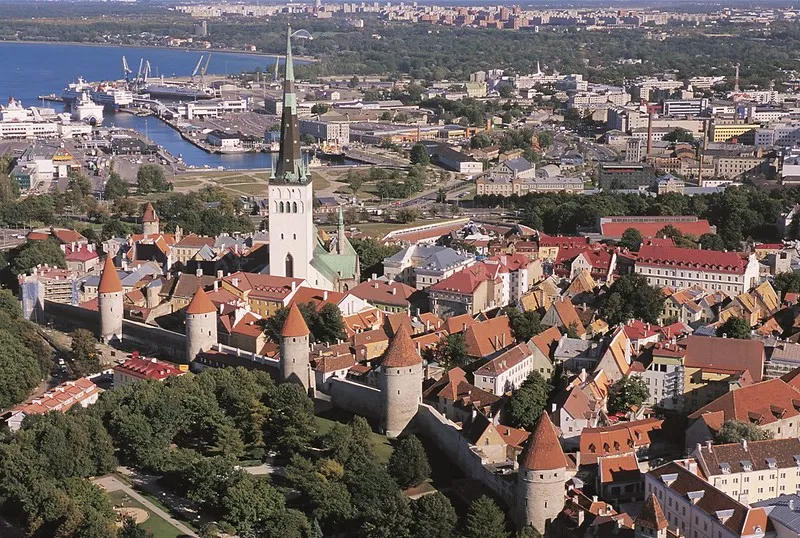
point(33, 69)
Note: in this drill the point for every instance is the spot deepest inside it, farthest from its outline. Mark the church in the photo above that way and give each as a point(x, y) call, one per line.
point(296, 248)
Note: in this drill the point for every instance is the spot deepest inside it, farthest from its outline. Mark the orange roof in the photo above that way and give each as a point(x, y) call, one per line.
point(761, 403)
point(543, 451)
point(621, 468)
point(295, 325)
point(488, 337)
point(200, 304)
point(109, 279)
point(145, 368)
point(402, 351)
point(149, 213)
point(60, 398)
point(514, 437)
point(623, 438)
point(456, 324)
point(652, 516)
point(545, 340)
point(568, 315)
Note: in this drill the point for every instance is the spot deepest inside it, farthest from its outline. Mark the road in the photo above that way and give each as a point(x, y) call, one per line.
point(111, 483)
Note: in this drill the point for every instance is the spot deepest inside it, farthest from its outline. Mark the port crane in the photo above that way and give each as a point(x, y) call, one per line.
point(125, 69)
point(204, 70)
point(197, 67)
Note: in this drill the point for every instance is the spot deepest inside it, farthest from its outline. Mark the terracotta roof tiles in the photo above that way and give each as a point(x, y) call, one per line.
point(294, 326)
point(402, 352)
point(200, 304)
point(109, 279)
point(543, 451)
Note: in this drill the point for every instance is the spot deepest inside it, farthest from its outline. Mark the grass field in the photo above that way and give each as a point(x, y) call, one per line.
point(158, 527)
point(383, 447)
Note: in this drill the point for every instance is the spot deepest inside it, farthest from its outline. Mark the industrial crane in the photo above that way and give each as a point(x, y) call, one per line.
point(203, 71)
point(197, 67)
point(125, 69)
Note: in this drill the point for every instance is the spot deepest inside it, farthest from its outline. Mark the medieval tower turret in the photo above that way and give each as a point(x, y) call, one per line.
point(401, 383)
point(541, 477)
point(201, 325)
point(150, 222)
point(651, 521)
point(109, 298)
point(295, 365)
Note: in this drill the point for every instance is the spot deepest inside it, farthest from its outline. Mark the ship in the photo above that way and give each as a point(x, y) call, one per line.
point(108, 95)
point(175, 91)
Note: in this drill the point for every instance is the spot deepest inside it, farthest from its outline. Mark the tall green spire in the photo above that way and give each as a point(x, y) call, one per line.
point(289, 62)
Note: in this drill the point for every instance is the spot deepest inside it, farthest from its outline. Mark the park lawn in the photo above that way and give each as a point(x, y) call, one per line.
point(318, 182)
point(233, 180)
point(155, 525)
point(251, 189)
point(383, 447)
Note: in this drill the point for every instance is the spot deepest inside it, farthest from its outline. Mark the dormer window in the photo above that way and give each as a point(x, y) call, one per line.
point(771, 463)
point(724, 515)
point(725, 467)
point(592, 448)
point(747, 465)
point(695, 496)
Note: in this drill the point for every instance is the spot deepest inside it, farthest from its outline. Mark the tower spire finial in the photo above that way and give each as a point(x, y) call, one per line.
point(289, 62)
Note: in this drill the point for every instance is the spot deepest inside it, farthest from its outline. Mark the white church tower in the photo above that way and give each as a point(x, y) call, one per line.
point(291, 229)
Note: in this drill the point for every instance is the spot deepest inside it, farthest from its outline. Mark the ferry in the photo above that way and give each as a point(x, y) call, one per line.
point(178, 92)
point(108, 95)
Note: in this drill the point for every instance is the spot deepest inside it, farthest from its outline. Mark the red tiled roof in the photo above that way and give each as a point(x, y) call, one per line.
point(543, 451)
point(725, 354)
point(60, 398)
point(402, 351)
point(294, 326)
point(621, 438)
point(504, 362)
point(568, 315)
point(149, 213)
point(82, 253)
point(467, 280)
point(545, 340)
point(561, 241)
point(317, 297)
point(193, 240)
point(652, 516)
point(488, 337)
point(148, 369)
point(622, 468)
point(761, 403)
point(460, 323)
point(265, 287)
point(67, 236)
point(514, 437)
point(200, 304)
point(109, 279)
point(651, 229)
point(690, 258)
point(383, 292)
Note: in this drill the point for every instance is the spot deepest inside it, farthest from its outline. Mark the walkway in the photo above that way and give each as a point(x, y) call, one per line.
point(111, 483)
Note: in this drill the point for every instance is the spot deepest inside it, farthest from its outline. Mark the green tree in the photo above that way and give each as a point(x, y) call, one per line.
point(788, 282)
point(371, 254)
point(734, 328)
point(485, 520)
point(115, 188)
point(34, 253)
point(528, 402)
point(626, 393)
point(631, 239)
point(407, 215)
point(480, 140)
point(291, 422)
point(452, 351)
point(711, 241)
point(354, 181)
point(251, 501)
point(408, 464)
point(525, 325)
point(679, 135)
point(326, 324)
point(287, 523)
point(631, 297)
point(114, 228)
point(419, 155)
point(130, 529)
point(545, 139)
point(150, 178)
point(85, 356)
point(733, 431)
point(433, 515)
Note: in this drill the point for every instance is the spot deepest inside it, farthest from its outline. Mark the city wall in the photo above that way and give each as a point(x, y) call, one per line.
point(447, 436)
point(354, 397)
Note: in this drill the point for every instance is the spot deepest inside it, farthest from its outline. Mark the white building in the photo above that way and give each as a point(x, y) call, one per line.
point(212, 108)
point(336, 133)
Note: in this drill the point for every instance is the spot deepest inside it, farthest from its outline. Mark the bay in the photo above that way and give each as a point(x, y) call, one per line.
point(33, 69)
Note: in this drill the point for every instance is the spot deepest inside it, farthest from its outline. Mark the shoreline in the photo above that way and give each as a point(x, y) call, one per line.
point(302, 59)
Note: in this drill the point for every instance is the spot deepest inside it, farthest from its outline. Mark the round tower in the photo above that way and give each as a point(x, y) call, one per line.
point(201, 325)
point(541, 477)
point(109, 302)
point(401, 383)
point(150, 222)
point(295, 365)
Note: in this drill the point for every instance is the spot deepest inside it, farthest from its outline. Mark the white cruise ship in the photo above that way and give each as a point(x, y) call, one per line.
point(108, 95)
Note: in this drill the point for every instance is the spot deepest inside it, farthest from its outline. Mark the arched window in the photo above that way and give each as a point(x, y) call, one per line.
point(294, 207)
point(281, 208)
point(289, 265)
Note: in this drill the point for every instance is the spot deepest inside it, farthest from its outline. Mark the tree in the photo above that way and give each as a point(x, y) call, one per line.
point(679, 135)
point(287, 523)
point(480, 140)
point(114, 228)
point(733, 431)
point(115, 188)
point(419, 155)
point(408, 464)
point(788, 282)
point(709, 241)
point(626, 393)
point(452, 351)
point(291, 423)
point(150, 178)
point(545, 139)
point(326, 324)
point(433, 515)
point(528, 402)
point(354, 181)
point(319, 108)
point(407, 215)
point(84, 355)
point(734, 328)
point(485, 520)
point(631, 239)
point(250, 501)
point(130, 529)
point(525, 325)
point(35, 253)
point(631, 297)
point(371, 254)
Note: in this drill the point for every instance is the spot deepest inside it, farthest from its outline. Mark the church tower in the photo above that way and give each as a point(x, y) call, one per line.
point(150, 222)
point(541, 477)
point(201, 325)
point(291, 229)
point(401, 383)
point(109, 302)
point(294, 361)
point(651, 522)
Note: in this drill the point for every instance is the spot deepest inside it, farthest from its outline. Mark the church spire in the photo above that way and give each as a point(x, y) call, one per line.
point(290, 161)
point(340, 239)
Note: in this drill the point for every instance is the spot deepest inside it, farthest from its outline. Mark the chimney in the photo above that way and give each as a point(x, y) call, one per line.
point(219, 273)
point(221, 306)
point(553, 408)
point(294, 285)
point(235, 282)
point(744, 444)
point(463, 326)
point(325, 295)
point(708, 444)
point(394, 291)
point(216, 285)
point(791, 505)
point(198, 272)
point(374, 276)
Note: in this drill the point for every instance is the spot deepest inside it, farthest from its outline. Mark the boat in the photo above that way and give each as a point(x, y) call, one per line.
point(178, 92)
point(108, 95)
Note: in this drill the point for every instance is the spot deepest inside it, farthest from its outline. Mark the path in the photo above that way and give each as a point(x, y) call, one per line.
point(111, 483)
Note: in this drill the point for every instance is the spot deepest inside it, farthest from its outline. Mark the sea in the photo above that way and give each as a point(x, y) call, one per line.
point(33, 69)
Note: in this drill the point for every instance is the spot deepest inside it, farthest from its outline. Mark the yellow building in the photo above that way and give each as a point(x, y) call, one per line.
point(724, 132)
